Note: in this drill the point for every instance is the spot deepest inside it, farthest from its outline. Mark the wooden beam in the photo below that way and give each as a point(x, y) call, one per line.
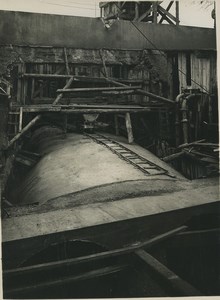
point(40, 109)
point(126, 92)
point(144, 15)
point(189, 144)
point(95, 99)
point(155, 7)
point(163, 10)
point(24, 130)
point(122, 4)
point(173, 280)
point(97, 89)
point(57, 107)
point(167, 9)
point(202, 144)
point(136, 11)
point(103, 4)
point(19, 85)
point(66, 62)
point(103, 62)
point(102, 110)
point(37, 118)
point(177, 13)
point(23, 84)
point(79, 110)
point(65, 280)
point(156, 97)
point(165, 17)
point(20, 119)
point(117, 106)
point(143, 92)
point(82, 78)
point(41, 75)
point(37, 92)
point(61, 93)
point(195, 238)
point(129, 128)
point(172, 156)
point(92, 257)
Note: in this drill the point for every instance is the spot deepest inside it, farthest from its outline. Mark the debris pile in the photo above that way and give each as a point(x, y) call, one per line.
point(202, 158)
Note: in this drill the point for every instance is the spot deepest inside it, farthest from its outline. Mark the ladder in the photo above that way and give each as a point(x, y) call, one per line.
point(146, 166)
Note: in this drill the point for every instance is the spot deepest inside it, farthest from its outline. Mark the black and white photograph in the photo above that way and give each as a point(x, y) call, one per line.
point(109, 149)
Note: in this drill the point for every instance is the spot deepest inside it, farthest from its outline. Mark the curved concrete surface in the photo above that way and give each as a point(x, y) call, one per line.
point(79, 169)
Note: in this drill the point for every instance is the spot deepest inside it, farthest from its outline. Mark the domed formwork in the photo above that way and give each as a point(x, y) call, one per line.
point(80, 170)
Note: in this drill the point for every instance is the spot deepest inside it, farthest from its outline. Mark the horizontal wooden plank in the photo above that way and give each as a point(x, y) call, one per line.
point(65, 280)
point(166, 274)
point(61, 106)
point(97, 89)
point(190, 144)
point(102, 110)
point(88, 109)
point(212, 145)
point(173, 156)
point(80, 78)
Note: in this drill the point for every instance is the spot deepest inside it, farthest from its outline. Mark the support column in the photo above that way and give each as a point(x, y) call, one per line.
point(177, 13)
point(129, 128)
point(155, 12)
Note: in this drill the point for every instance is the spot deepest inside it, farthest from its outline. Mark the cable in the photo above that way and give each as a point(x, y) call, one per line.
point(161, 52)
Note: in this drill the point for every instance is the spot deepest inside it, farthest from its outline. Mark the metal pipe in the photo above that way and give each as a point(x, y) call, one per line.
point(184, 121)
point(177, 119)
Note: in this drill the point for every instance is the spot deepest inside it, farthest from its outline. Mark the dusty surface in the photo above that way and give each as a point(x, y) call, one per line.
point(79, 183)
point(76, 164)
point(36, 224)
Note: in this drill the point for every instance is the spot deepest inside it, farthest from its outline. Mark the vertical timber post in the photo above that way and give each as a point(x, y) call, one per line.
point(20, 119)
point(19, 84)
point(136, 11)
point(177, 13)
point(155, 12)
point(129, 128)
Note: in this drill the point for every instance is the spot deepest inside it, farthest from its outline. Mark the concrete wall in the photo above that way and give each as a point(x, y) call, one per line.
point(82, 32)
